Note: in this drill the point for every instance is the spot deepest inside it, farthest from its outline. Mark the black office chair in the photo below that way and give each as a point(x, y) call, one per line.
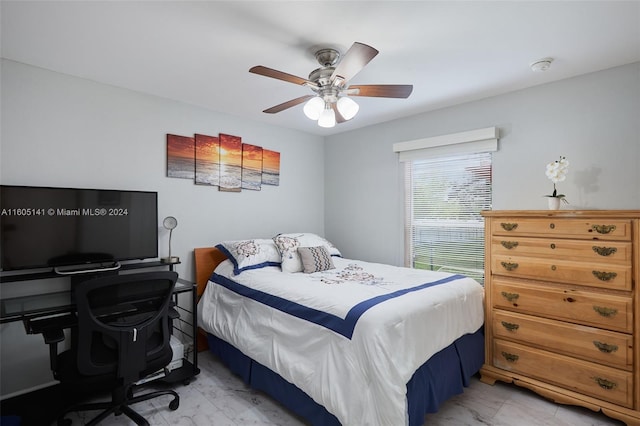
point(122, 336)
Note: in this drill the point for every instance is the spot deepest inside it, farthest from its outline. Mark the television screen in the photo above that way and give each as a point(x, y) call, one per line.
point(51, 227)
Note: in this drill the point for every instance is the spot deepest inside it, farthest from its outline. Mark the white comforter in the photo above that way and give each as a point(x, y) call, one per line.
point(379, 327)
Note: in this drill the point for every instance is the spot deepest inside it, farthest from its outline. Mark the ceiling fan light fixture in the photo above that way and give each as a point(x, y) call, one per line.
point(313, 108)
point(329, 104)
point(327, 117)
point(347, 107)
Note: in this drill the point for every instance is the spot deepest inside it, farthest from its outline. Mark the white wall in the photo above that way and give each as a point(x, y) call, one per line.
point(593, 120)
point(64, 131)
point(59, 130)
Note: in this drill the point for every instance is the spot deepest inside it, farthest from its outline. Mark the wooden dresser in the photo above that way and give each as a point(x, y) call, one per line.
point(562, 314)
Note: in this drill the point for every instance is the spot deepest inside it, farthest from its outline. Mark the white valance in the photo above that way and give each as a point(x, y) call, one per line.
point(472, 141)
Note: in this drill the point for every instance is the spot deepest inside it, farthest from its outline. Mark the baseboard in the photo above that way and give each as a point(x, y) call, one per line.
point(28, 390)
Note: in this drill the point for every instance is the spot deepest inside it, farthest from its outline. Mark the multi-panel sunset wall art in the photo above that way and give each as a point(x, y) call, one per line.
point(222, 161)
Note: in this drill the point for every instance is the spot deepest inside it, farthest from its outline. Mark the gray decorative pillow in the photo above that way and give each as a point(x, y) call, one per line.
point(315, 259)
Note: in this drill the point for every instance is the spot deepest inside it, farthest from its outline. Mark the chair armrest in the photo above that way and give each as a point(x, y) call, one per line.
point(53, 336)
point(44, 324)
point(52, 330)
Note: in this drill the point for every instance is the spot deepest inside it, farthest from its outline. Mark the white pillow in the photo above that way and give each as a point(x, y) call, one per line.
point(288, 245)
point(250, 254)
point(307, 239)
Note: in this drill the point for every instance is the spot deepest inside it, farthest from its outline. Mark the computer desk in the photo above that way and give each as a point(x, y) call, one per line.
point(44, 313)
point(50, 305)
point(30, 307)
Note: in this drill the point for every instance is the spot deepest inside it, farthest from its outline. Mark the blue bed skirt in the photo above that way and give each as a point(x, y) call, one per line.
point(444, 375)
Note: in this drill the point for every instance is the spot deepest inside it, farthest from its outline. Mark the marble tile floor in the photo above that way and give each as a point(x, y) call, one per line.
point(218, 398)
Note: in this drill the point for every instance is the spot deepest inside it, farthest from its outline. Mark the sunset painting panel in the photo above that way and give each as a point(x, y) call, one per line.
point(270, 167)
point(207, 160)
point(230, 163)
point(180, 156)
point(251, 167)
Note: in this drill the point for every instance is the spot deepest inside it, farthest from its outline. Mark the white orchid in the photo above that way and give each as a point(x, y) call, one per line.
point(557, 172)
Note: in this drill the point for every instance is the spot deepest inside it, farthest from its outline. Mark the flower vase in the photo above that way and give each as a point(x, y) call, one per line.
point(554, 203)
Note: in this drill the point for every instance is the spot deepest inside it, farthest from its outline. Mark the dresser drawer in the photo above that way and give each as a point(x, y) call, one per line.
point(606, 311)
point(599, 381)
point(602, 275)
point(589, 343)
point(558, 248)
point(600, 229)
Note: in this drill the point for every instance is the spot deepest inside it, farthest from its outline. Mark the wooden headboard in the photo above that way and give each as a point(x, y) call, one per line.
point(207, 259)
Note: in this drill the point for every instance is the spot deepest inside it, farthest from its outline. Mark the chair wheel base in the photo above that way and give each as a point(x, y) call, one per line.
point(173, 405)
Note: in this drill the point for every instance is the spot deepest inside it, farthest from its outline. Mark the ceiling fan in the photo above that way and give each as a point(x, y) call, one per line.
point(331, 102)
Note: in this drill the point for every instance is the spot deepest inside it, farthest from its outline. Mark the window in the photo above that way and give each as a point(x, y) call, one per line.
point(444, 197)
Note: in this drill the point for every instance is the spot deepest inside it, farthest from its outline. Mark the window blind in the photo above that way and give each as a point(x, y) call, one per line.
point(444, 198)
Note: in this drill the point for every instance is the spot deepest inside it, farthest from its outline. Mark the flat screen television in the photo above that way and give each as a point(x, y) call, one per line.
point(62, 227)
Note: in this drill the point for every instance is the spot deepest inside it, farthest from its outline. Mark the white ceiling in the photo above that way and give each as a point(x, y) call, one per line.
point(200, 52)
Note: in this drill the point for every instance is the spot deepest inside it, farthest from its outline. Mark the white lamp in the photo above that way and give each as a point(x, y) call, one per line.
point(347, 107)
point(314, 107)
point(327, 117)
point(170, 223)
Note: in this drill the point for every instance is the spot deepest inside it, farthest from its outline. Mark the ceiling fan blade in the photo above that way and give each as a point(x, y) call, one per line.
point(354, 60)
point(381, 90)
point(269, 72)
point(339, 117)
point(288, 104)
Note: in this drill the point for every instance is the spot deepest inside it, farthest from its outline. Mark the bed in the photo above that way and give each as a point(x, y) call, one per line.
point(344, 341)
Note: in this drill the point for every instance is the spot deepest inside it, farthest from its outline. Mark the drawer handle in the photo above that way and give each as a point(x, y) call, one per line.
point(604, 276)
point(605, 312)
point(603, 347)
point(510, 357)
point(510, 326)
point(509, 244)
point(510, 296)
point(508, 226)
point(604, 229)
point(604, 383)
point(604, 251)
point(509, 266)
